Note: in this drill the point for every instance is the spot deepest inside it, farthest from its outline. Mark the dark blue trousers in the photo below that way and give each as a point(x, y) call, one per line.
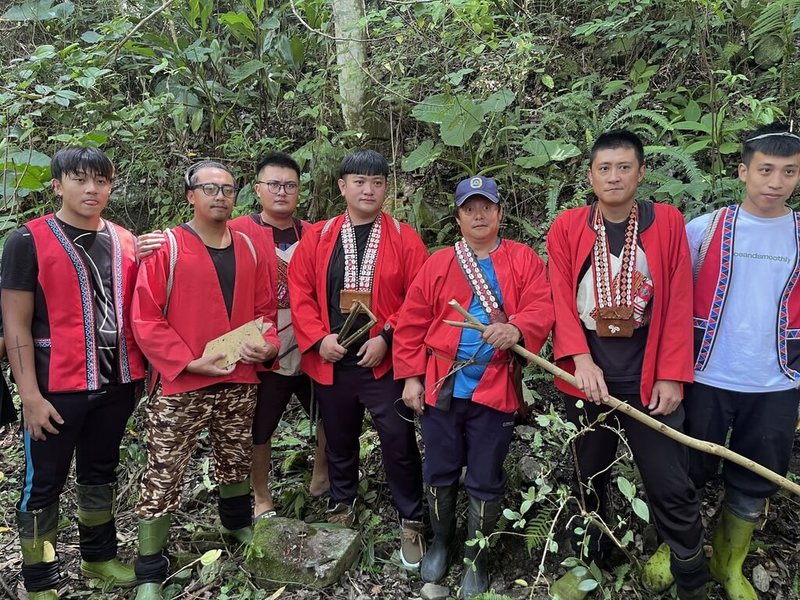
point(341, 407)
point(471, 435)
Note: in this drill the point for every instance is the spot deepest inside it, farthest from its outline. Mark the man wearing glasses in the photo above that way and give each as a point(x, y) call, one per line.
point(207, 282)
point(276, 232)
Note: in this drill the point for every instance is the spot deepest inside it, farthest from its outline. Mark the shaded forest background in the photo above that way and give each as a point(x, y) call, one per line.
point(515, 89)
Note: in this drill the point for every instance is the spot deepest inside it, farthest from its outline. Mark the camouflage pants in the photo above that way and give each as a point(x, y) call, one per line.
point(173, 424)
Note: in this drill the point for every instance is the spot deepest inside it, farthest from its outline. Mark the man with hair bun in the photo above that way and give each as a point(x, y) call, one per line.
point(207, 281)
point(367, 255)
point(68, 281)
point(747, 341)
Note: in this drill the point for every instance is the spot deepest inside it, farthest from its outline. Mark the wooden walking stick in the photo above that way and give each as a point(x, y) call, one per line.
point(708, 447)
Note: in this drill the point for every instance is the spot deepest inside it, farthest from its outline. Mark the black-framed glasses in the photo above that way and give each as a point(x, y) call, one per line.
point(212, 189)
point(290, 187)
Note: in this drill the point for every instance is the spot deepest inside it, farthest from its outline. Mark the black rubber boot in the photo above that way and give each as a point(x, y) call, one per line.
point(442, 509)
point(482, 517)
point(38, 530)
point(691, 576)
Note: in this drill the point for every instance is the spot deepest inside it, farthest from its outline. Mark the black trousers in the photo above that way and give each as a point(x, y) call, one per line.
point(274, 393)
point(471, 435)
point(762, 428)
point(342, 408)
point(94, 423)
point(663, 464)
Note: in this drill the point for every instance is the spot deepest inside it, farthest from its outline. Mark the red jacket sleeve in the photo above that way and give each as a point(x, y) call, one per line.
point(413, 322)
point(675, 355)
point(303, 294)
point(568, 336)
point(414, 256)
point(159, 342)
point(534, 317)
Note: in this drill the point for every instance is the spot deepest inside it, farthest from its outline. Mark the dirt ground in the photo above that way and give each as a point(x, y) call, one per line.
point(773, 556)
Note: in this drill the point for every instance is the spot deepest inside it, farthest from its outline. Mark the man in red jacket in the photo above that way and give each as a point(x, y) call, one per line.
point(207, 282)
point(68, 281)
point(622, 280)
point(471, 380)
point(367, 255)
point(277, 233)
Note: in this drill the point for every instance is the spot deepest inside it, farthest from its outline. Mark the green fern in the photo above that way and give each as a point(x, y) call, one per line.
point(774, 20)
point(681, 157)
point(537, 530)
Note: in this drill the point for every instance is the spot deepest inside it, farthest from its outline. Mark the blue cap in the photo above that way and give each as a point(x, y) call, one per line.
point(477, 186)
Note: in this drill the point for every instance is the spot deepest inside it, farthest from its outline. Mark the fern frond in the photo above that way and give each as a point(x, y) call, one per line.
point(537, 530)
point(616, 112)
point(681, 156)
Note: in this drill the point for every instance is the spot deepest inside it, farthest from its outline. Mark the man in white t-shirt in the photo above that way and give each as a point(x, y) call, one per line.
point(747, 341)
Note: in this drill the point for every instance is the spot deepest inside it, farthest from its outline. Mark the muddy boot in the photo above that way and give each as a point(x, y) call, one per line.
point(151, 564)
point(98, 535)
point(657, 574)
point(482, 517)
point(37, 539)
point(731, 542)
point(234, 511)
point(442, 509)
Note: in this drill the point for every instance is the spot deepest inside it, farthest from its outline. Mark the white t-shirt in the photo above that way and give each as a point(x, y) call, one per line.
point(745, 357)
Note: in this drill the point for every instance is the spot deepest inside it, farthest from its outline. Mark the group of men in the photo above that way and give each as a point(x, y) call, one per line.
point(625, 291)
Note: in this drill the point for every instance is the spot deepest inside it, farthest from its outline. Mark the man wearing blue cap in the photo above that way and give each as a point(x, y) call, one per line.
point(471, 385)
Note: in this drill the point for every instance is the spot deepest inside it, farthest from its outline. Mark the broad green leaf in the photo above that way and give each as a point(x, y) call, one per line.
point(697, 146)
point(298, 51)
point(498, 101)
point(729, 148)
point(461, 121)
point(692, 111)
point(90, 37)
point(626, 487)
point(547, 81)
point(433, 109)
point(196, 121)
point(245, 71)
point(692, 126)
point(545, 151)
point(587, 585)
point(210, 557)
point(422, 156)
point(641, 510)
point(34, 158)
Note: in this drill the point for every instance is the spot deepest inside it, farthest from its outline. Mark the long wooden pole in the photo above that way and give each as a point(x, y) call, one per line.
point(702, 446)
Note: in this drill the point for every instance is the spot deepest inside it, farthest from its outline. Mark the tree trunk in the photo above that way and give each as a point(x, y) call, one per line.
point(351, 56)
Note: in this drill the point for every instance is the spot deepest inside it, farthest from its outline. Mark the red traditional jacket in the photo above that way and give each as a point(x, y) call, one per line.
point(400, 255)
point(424, 346)
point(668, 351)
point(711, 290)
point(196, 312)
point(64, 330)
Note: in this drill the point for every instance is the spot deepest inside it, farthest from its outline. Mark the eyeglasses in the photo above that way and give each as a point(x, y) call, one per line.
point(212, 189)
point(275, 186)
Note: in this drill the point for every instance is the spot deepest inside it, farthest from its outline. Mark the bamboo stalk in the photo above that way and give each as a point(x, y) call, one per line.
point(702, 446)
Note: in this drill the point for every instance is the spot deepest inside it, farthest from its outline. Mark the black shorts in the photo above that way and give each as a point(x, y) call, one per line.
point(274, 393)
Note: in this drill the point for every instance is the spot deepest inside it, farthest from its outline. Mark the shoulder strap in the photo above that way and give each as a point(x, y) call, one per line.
point(173, 260)
point(707, 237)
point(249, 243)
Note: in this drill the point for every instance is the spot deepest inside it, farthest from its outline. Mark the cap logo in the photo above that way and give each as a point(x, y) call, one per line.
point(475, 183)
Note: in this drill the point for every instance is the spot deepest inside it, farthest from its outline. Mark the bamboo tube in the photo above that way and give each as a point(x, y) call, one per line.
point(702, 446)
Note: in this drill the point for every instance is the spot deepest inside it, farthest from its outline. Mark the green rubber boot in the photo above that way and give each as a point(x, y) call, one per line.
point(657, 574)
point(98, 535)
point(37, 539)
point(731, 542)
point(566, 586)
point(151, 564)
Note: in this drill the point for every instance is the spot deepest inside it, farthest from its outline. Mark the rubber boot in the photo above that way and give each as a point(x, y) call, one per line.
point(691, 576)
point(98, 535)
point(482, 517)
point(151, 564)
point(38, 530)
point(657, 574)
point(442, 509)
point(731, 542)
point(234, 511)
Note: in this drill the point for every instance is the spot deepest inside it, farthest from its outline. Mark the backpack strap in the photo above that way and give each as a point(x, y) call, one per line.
point(172, 243)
